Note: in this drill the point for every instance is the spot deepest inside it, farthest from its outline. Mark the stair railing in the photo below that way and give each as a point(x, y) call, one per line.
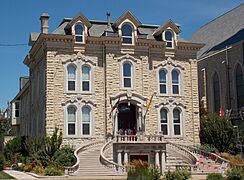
point(75, 167)
point(106, 162)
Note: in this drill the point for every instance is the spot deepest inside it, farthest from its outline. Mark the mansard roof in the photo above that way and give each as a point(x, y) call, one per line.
point(170, 24)
point(222, 31)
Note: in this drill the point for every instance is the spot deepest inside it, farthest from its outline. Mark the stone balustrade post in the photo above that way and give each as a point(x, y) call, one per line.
point(163, 162)
point(157, 164)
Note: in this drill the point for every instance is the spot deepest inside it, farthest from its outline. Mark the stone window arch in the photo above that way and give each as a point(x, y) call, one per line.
point(86, 121)
point(164, 121)
point(71, 78)
point(86, 78)
point(177, 122)
point(162, 74)
point(127, 74)
point(175, 76)
point(71, 120)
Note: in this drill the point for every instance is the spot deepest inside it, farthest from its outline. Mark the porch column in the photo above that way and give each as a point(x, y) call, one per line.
point(157, 164)
point(126, 160)
point(163, 162)
point(139, 126)
point(119, 157)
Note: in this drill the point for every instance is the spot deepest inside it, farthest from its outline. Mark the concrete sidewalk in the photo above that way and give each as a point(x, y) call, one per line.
point(19, 174)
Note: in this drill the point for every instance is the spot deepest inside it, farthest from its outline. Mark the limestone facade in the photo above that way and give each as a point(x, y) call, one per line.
point(50, 97)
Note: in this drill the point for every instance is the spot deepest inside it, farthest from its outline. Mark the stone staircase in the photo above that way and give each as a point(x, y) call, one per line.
point(90, 163)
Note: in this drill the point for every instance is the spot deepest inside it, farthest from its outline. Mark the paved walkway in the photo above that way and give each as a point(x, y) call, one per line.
point(19, 174)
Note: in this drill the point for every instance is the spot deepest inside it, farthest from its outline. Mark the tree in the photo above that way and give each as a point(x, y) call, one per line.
point(217, 132)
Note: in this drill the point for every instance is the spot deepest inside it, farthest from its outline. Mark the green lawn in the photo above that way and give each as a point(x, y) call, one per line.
point(3, 175)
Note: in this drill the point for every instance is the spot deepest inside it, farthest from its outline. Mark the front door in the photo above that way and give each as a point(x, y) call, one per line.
point(127, 119)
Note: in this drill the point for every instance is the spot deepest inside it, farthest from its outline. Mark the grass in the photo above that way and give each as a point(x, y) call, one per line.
point(3, 175)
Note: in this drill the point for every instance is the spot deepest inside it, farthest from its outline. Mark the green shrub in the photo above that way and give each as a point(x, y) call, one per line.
point(143, 173)
point(65, 156)
point(53, 170)
point(13, 147)
point(177, 175)
point(2, 161)
point(38, 169)
point(235, 174)
point(215, 176)
point(26, 167)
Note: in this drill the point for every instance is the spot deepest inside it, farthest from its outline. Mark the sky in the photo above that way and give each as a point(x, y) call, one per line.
point(20, 17)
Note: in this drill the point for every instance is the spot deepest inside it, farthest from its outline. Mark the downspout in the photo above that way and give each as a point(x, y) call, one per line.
point(105, 91)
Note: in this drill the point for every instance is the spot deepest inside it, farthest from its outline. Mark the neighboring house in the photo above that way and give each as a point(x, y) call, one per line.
point(93, 80)
point(221, 63)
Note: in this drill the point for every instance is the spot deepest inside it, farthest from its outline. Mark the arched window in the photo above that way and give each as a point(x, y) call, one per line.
point(164, 121)
point(169, 39)
point(86, 120)
point(86, 78)
point(239, 87)
point(71, 77)
point(79, 31)
point(175, 82)
point(177, 121)
point(127, 34)
point(71, 120)
point(216, 92)
point(162, 82)
point(127, 75)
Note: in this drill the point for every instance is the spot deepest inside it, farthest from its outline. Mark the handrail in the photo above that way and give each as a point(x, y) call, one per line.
point(186, 153)
point(140, 138)
point(212, 156)
point(75, 167)
point(106, 162)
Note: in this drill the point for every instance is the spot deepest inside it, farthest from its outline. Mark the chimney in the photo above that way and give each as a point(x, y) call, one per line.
point(44, 23)
point(108, 19)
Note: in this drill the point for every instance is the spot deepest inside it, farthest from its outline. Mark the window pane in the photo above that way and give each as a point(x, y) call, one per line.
point(176, 116)
point(126, 30)
point(79, 38)
point(127, 82)
point(79, 29)
point(86, 114)
point(162, 76)
point(162, 89)
point(16, 113)
point(127, 40)
point(169, 44)
point(71, 129)
point(216, 92)
point(16, 105)
point(176, 129)
point(163, 114)
point(175, 89)
point(175, 77)
point(127, 69)
point(71, 85)
point(71, 114)
point(168, 36)
point(164, 129)
point(86, 129)
point(85, 73)
point(71, 72)
point(85, 86)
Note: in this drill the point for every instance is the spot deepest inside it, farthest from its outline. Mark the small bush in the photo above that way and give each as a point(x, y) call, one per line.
point(235, 174)
point(53, 171)
point(38, 169)
point(177, 175)
point(215, 176)
point(65, 156)
point(26, 167)
point(2, 161)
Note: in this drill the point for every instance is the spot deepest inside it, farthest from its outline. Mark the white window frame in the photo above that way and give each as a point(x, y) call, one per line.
point(129, 37)
point(90, 123)
point(67, 77)
point(132, 74)
point(67, 121)
point(171, 41)
point(83, 34)
point(160, 123)
point(159, 83)
point(134, 31)
point(180, 123)
point(176, 84)
point(90, 77)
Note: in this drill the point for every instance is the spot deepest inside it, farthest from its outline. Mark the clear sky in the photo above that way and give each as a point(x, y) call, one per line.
point(20, 17)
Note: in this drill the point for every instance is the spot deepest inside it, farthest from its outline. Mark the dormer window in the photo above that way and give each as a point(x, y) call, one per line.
point(127, 34)
point(169, 38)
point(79, 33)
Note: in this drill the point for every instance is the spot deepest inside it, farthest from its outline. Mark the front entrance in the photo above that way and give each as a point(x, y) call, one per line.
point(127, 119)
point(142, 157)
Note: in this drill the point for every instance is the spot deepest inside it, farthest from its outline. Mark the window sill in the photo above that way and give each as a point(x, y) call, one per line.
point(78, 137)
point(169, 95)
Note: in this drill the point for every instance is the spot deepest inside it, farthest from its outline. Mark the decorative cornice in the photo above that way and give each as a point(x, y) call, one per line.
point(78, 100)
point(126, 56)
point(169, 102)
point(81, 58)
point(169, 62)
point(188, 46)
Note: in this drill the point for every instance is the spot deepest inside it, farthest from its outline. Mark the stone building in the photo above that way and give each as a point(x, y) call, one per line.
point(221, 64)
point(130, 82)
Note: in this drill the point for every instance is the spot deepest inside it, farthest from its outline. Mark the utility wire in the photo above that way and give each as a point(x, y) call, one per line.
point(9, 45)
